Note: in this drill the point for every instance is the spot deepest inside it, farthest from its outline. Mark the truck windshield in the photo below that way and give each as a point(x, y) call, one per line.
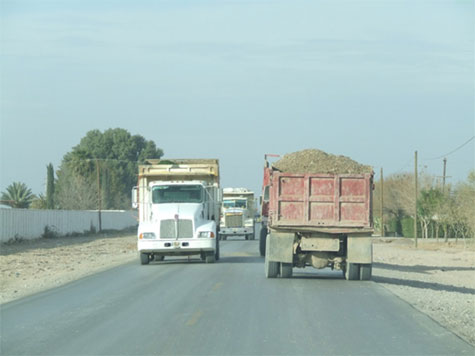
point(238, 203)
point(162, 194)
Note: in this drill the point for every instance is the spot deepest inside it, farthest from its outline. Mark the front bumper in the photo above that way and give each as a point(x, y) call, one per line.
point(176, 247)
point(236, 230)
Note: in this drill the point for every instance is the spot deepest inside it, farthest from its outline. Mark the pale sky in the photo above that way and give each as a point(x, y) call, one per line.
point(233, 80)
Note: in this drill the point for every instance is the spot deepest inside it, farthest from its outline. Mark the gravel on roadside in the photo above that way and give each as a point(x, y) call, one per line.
point(436, 278)
point(31, 266)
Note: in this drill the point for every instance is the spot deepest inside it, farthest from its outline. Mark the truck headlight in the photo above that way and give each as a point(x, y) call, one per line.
point(208, 234)
point(147, 235)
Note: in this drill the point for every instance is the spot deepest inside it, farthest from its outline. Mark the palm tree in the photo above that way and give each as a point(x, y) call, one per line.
point(17, 195)
point(39, 202)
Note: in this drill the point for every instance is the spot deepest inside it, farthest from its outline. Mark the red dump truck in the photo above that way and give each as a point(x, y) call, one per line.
point(319, 220)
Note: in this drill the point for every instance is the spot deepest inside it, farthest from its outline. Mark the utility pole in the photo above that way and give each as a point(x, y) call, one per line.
point(99, 194)
point(415, 199)
point(382, 203)
point(444, 174)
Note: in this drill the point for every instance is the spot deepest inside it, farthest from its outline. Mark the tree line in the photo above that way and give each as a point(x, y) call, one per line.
point(102, 169)
point(99, 172)
point(443, 210)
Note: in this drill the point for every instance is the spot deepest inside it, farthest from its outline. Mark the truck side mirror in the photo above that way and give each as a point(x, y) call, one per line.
point(134, 198)
point(260, 200)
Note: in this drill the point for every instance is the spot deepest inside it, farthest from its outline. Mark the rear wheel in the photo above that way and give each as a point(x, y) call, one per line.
point(144, 258)
point(158, 258)
point(262, 241)
point(285, 270)
point(352, 271)
point(210, 258)
point(365, 272)
point(271, 267)
point(216, 254)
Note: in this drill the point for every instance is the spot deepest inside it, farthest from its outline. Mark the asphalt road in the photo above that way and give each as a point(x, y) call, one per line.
point(228, 308)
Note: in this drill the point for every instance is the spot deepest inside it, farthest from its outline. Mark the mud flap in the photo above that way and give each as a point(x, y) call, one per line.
point(360, 250)
point(280, 247)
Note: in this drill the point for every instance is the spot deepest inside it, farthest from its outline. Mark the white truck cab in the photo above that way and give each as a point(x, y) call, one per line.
point(178, 210)
point(237, 213)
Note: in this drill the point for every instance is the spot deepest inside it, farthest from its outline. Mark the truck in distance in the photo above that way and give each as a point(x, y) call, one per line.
point(178, 205)
point(237, 213)
point(317, 219)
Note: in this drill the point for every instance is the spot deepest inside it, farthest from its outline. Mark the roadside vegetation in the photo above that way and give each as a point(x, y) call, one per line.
point(97, 173)
point(17, 195)
point(100, 171)
point(443, 211)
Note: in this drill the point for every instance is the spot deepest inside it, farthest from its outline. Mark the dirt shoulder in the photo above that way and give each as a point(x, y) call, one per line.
point(436, 278)
point(31, 266)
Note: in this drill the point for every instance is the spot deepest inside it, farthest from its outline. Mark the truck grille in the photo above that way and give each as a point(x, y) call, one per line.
point(168, 230)
point(233, 220)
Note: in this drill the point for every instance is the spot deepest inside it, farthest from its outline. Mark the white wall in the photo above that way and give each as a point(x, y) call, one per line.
point(30, 223)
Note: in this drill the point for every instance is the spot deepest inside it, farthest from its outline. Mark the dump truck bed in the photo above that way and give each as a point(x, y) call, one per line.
point(338, 203)
point(181, 170)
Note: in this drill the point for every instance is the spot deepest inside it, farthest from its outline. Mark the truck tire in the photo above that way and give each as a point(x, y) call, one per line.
point(365, 272)
point(252, 236)
point(262, 241)
point(144, 258)
point(286, 270)
point(158, 258)
point(271, 268)
point(210, 258)
point(246, 237)
point(216, 254)
point(352, 272)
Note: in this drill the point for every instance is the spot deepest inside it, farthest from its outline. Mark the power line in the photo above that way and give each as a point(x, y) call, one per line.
point(405, 165)
point(453, 151)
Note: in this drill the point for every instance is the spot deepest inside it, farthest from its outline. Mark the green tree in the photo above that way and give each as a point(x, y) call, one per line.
point(427, 207)
point(113, 155)
point(17, 195)
point(75, 191)
point(464, 201)
point(39, 202)
point(398, 200)
point(49, 186)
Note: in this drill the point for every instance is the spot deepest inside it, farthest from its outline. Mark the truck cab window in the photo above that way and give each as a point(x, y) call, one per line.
point(235, 203)
point(163, 194)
